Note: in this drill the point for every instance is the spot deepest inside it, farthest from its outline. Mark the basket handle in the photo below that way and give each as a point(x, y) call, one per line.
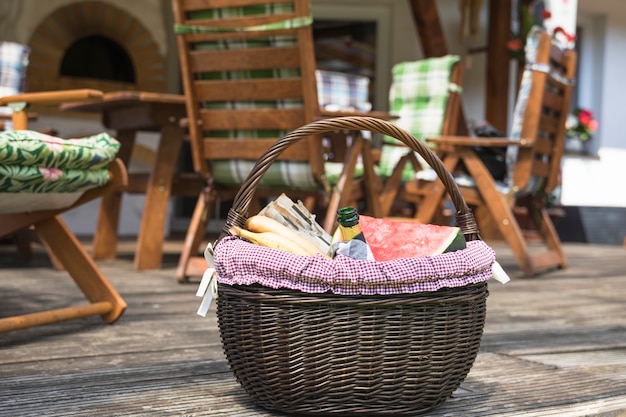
point(238, 212)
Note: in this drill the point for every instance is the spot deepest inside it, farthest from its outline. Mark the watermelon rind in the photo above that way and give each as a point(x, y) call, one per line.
point(453, 243)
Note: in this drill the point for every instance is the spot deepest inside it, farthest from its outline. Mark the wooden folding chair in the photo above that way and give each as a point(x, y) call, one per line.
point(534, 155)
point(425, 98)
point(248, 73)
point(42, 177)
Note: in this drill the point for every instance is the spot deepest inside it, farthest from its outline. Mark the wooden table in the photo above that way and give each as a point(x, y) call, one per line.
point(129, 112)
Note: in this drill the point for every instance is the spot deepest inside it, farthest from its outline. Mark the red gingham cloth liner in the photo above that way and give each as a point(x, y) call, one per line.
point(238, 262)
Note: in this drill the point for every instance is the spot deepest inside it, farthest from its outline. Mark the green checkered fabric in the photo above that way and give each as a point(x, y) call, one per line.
point(418, 96)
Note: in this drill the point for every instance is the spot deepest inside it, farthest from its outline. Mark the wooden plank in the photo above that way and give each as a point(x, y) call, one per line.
point(240, 119)
point(428, 25)
point(249, 149)
point(552, 346)
point(544, 146)
point(243, 59)
point(216, 4)
point(497, 79)
point(249, 90)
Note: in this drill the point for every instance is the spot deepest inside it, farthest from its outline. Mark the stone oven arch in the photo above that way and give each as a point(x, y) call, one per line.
point(91, 21)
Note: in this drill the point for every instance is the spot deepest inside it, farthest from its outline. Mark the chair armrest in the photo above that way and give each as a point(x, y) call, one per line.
point(471, 141)
point(53, 96)
point(22, 102)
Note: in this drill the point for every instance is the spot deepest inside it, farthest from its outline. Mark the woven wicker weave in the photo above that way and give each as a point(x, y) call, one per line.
point(321, 354)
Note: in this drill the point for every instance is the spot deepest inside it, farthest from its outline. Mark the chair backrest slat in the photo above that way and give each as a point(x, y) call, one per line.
point(243, 90)
point(193, 5)
point(240, 60)
point(544, 146)
point(257, 119)
point(219, 149)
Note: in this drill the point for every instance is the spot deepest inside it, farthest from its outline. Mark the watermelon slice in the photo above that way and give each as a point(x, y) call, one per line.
point(402, 238)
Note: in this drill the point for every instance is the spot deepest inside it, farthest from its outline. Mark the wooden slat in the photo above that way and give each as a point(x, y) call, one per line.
point(249, 149)
point(259, 119)
point(544, 146)
point(216, 4)
point(53, 316)
point(238, 22)
point(552, 100)
point(247, 34)
point(540, 168)
point(53, 96)
point(244, 59)
point(248, 90)
point(497, 77)
point(429, 29)
point(549, 124)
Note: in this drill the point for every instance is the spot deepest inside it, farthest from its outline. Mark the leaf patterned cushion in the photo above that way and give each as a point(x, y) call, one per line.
point(32, 179)
point(29, 148)
point(32, 162)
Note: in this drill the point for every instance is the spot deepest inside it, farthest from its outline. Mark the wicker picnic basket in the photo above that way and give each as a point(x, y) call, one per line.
point(337, 354)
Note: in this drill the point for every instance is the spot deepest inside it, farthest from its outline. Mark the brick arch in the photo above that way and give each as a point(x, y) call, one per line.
point(68, 24)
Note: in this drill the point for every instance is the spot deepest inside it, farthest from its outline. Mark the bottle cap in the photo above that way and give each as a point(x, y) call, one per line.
point(347, 216)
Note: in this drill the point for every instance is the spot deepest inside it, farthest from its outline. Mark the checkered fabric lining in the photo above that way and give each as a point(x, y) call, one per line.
point(295, 175)
point(13, 63)
point(238, 262)
point(418, 96)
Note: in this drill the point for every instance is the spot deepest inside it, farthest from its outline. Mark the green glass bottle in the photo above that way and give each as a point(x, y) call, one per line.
point(348, 220)
point(352, 242)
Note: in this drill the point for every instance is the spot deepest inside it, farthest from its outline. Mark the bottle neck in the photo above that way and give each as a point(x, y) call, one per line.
point(349, 232)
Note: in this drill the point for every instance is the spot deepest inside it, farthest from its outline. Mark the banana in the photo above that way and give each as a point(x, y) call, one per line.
point(270, 240)
point(262, 224)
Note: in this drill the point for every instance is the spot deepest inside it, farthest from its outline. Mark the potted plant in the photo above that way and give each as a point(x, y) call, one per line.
point(579, 128)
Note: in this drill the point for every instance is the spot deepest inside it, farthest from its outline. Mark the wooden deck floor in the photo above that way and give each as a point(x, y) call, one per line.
point(553, 346)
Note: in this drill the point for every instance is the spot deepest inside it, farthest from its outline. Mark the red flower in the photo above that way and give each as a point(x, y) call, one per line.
point(514, 45)
point(585, 117)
